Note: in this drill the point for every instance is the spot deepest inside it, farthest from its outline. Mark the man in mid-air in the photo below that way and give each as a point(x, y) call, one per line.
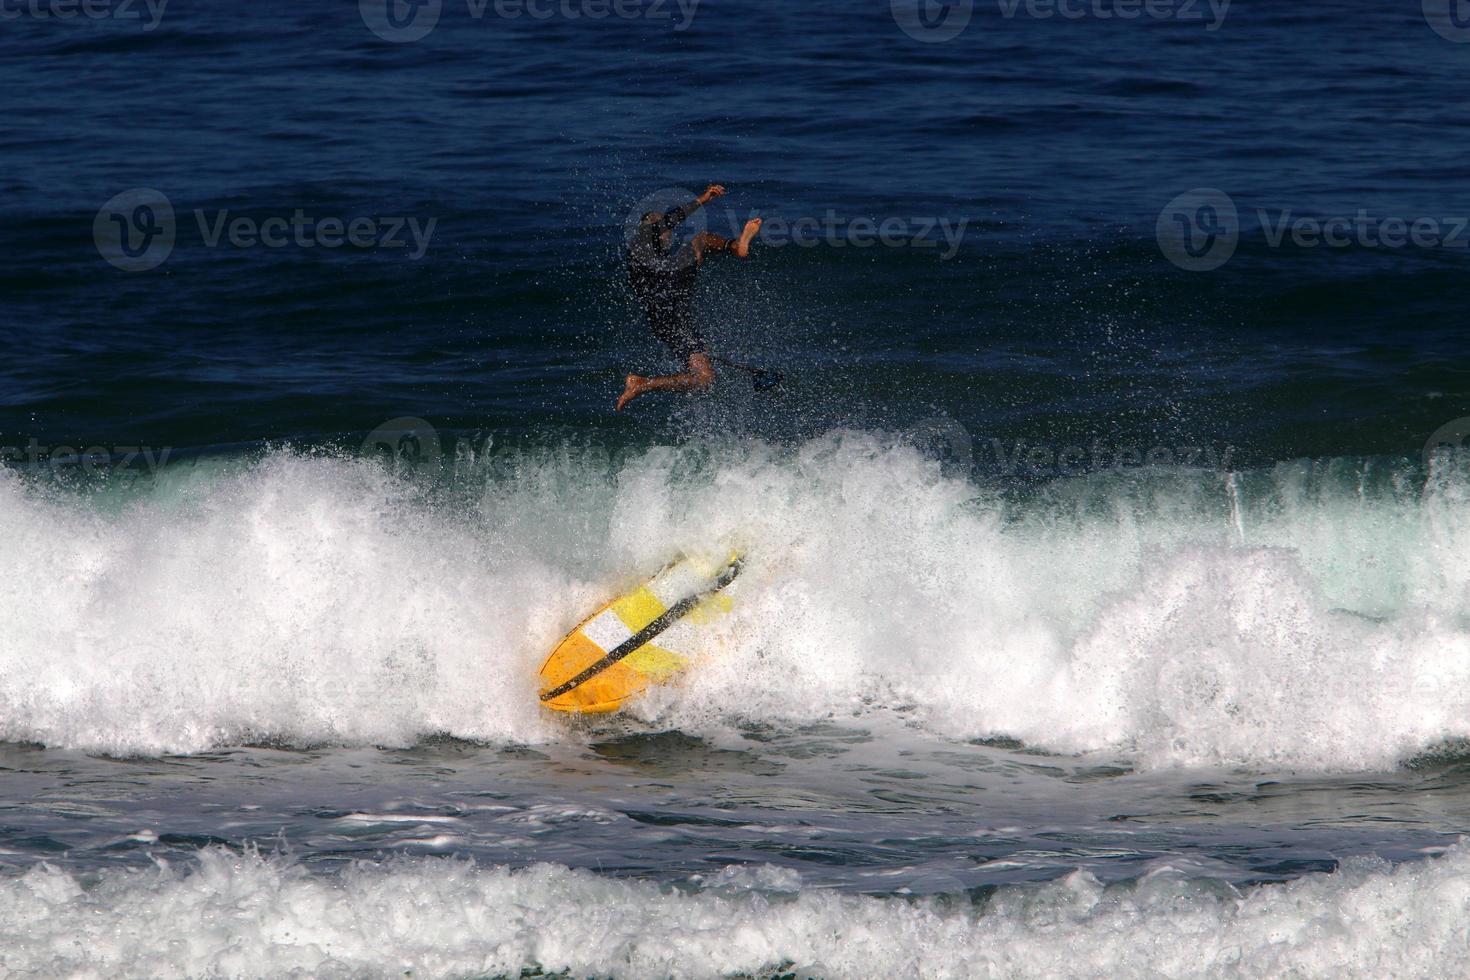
point(663, 280)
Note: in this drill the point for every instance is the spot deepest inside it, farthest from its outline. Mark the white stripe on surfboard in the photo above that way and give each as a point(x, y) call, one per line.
point(607, 630)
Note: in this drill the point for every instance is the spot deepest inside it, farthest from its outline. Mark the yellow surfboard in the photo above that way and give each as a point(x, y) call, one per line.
point(638, 639)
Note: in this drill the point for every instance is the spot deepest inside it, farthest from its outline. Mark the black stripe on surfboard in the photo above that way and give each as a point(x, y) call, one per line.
point(647, 634)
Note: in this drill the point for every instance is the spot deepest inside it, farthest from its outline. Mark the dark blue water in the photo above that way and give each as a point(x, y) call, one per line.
point(1099, 586)
point(1057, 142)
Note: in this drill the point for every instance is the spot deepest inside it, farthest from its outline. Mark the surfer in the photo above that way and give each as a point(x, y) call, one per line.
point(663, 280)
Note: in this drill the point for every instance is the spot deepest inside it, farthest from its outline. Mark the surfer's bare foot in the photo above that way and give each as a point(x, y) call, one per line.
point(752, 228)
point(632, 388)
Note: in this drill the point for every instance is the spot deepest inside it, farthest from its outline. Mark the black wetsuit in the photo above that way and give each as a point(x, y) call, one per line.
point(663, 281)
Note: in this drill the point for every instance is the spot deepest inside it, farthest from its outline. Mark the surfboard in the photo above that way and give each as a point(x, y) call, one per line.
point(637, 640)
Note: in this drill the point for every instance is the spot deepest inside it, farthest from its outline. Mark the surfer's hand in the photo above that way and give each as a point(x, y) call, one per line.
point(711, 192)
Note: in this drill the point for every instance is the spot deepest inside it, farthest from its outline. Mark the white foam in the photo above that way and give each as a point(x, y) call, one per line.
point(244, 916)
point(413, 818)
point(1169, 617)
point(303, 600)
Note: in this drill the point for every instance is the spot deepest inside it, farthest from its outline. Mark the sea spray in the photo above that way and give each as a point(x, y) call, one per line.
point(1170, 616)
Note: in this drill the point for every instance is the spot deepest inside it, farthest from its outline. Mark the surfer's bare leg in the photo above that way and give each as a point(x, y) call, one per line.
point(752, 228)
point(699, 377)
point(708, 243)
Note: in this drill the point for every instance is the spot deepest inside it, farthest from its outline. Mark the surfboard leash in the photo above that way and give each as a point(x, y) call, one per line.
point(761, 379)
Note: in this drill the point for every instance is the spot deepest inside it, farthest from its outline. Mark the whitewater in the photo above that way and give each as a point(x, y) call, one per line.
point(237, 914)
point(275, 715)
point(1307, 616)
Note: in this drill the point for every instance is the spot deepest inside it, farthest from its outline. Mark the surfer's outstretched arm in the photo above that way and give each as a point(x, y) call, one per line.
point(673, 219)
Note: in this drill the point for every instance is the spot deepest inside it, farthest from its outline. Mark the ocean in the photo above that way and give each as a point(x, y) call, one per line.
point(1106, 608)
